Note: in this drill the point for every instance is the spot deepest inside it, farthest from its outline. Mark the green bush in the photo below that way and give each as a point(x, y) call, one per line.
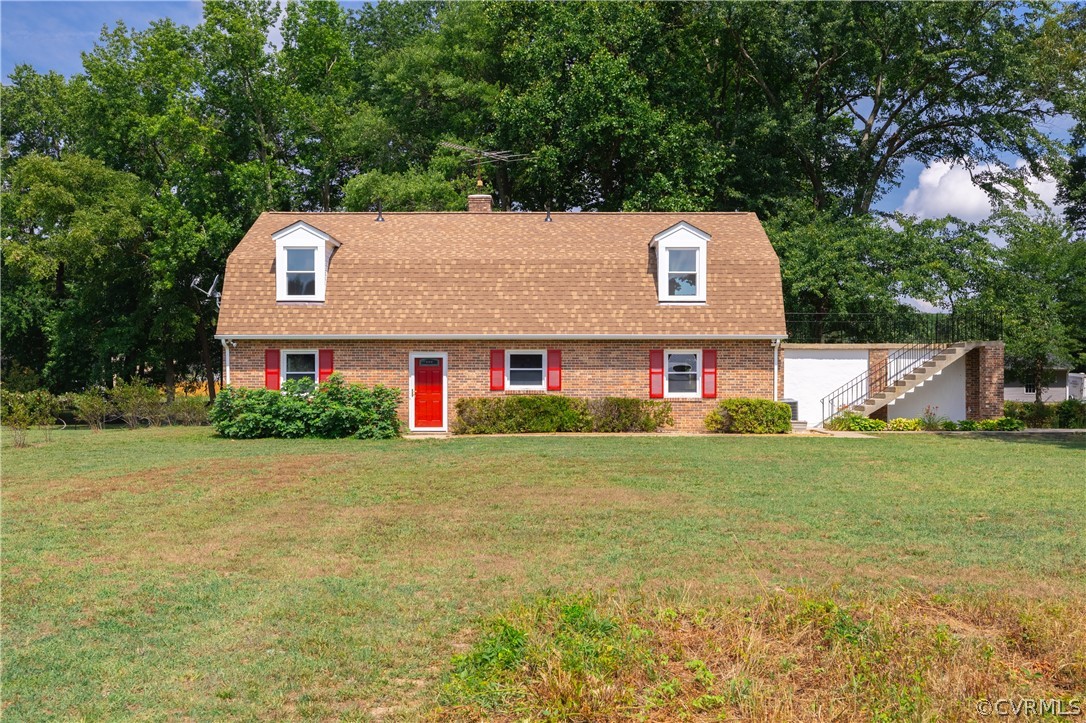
point(1001, 424)
point(903, 424)
point(967, 425)
point(627, 414)
point(136, 401)
point(1068, 414)
point(92, 407)
point(948, 425)
point(750, 416)
point(187, 411)
point(333, 409)
point(855, 422)
point(931, 420)
point(19, 411)
point(522, 414)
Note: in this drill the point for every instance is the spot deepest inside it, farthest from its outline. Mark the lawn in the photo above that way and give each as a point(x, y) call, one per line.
point(169, 573)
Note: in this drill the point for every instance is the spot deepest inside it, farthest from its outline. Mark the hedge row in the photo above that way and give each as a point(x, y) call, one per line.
point(1068, 414)
point(301, 409)
point(554, 413)
point(852, 422)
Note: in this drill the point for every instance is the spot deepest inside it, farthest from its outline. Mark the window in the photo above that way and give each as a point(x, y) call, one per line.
point(525, 369)
point(1031, 388)
point(300, 365)
point(682, 272)
point(680, 263)
point(302, 272)
point(302, 257)
point(682, 376)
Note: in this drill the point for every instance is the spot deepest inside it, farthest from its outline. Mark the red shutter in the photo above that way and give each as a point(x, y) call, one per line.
point(324, 365)
point(708, 373)
point(656, 373)
point(554, 370)
point(497, 370)
point(271, 368)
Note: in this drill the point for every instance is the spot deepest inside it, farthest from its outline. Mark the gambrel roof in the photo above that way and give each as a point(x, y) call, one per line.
point(479, 275)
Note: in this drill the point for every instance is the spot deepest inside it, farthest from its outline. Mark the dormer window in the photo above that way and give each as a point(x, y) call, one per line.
point(680, 263)
point(302, 255)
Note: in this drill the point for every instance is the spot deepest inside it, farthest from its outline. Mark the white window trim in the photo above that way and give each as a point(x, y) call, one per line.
point(283, 363)
point(302, 236)
point(668, 394)
point(542, 387)
point(411, 357)
point(681, 236)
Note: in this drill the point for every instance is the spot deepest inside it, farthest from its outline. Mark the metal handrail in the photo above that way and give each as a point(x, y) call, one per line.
point(886, 371)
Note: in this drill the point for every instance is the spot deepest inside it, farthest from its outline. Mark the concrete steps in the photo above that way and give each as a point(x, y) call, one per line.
point(915, 378)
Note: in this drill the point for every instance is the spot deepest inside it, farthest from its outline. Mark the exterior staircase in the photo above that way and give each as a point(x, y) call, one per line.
point(902, 372)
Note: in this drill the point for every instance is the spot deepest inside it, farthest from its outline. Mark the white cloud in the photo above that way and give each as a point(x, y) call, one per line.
point(947, 189)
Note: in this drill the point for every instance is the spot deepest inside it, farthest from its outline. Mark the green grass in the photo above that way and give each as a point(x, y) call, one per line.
point(169, 573)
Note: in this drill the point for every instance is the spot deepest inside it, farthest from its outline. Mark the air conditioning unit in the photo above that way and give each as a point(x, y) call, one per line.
point(795, 408)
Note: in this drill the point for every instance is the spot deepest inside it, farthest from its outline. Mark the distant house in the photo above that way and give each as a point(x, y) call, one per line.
point(1058, 390)
point(683, 307)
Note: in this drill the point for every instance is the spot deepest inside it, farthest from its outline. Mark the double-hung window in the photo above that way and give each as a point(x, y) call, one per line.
point(525, 370)
point(680, 264)
point(300, 365)
point(682, 373)
point(302, 271)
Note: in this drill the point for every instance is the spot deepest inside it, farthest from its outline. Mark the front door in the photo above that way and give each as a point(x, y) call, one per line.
point(429, 392)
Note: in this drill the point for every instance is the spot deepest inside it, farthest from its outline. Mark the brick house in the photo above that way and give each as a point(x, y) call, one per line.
point(685, 307)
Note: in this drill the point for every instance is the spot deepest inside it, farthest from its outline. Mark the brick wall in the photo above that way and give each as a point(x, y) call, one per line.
point(589, 368)
point(984, 381)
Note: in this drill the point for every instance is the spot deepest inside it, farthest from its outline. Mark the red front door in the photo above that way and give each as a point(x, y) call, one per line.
point(429, 392)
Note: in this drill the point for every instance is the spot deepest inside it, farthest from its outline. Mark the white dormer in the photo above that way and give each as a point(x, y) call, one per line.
point(302, 253)
point(680, 263)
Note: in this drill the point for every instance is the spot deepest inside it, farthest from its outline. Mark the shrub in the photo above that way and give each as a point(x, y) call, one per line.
point(521, 414)
point(92, 407)
point(855, 422)
point(903, 424)
point(333, 409)
point(750, 416)
point(19, 411)
point(622, 414)
point(1001, 424)
point(1071, 414)
point(948, 425)
point(187, 411)
point(967, 425)
point(136, 401)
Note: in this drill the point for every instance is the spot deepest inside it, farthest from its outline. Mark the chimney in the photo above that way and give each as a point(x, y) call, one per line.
point(479, 203)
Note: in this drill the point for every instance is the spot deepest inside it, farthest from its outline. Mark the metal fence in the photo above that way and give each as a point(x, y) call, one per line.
point(902, 328)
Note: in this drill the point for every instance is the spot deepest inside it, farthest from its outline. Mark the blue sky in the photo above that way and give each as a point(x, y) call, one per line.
point(50, 35)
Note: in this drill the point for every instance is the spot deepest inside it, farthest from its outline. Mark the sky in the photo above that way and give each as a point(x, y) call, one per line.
point(50, 35)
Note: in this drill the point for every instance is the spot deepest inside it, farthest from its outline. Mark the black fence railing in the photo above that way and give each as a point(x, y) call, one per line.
point(901, 328)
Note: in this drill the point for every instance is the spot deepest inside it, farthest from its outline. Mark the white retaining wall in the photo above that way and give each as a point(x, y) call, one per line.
point(945, 393)
point(810, 374)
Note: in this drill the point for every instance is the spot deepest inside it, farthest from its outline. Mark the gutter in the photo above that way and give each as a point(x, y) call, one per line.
point(775, 338)
point(776, 366)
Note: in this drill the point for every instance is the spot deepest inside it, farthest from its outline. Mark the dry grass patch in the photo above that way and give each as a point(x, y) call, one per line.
point(787, 656)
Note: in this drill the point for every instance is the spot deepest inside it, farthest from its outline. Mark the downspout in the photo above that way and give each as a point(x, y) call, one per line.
point(226, 361)
point(776, 366)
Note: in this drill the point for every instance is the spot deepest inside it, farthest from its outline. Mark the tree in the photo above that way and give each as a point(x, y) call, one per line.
point(1038, 289)
point(949, 259)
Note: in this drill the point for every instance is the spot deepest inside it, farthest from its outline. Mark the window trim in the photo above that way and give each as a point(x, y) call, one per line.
point(315, 353)
point(541, 387)
point(680, 237)
point(301, 236)
point(696, 394)
point(698, 285)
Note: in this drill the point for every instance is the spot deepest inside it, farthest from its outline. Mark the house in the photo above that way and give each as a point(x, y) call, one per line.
point(1060, 388)
point(684, 307)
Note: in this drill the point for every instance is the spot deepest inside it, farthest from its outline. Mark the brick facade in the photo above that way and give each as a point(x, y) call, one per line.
point(984, 382)
point(589, 368)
